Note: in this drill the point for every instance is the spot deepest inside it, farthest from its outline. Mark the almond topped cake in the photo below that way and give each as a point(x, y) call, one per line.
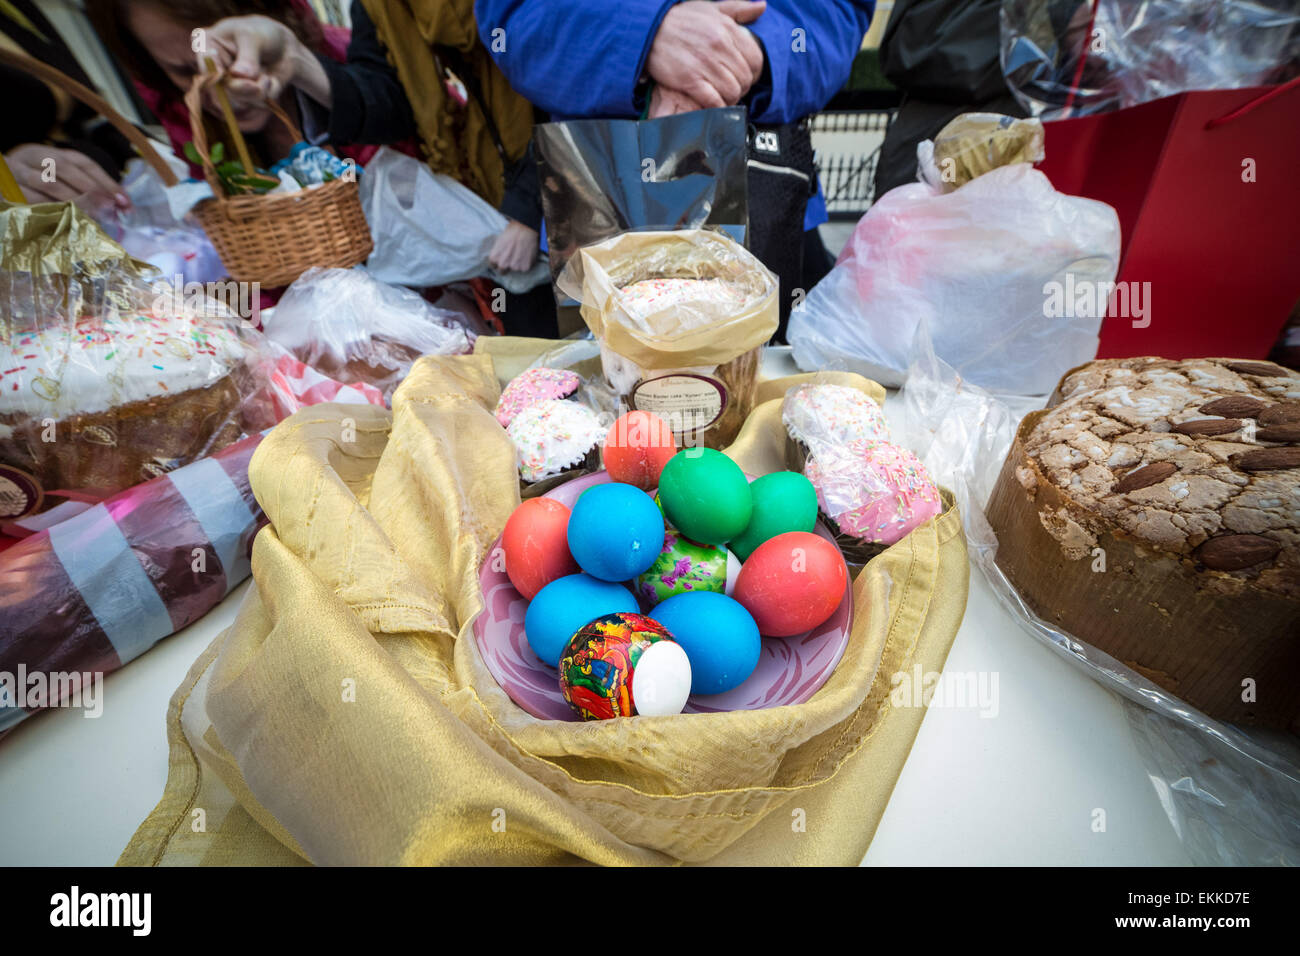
point(1153, 510)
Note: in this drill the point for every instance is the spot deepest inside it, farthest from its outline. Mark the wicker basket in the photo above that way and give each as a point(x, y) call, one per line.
point(273, 239)
point(267, 239)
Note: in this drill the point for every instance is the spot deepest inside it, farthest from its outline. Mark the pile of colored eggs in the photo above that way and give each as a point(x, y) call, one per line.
point(640, 602)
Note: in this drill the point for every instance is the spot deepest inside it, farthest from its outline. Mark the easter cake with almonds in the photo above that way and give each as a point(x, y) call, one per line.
point(1153, 511)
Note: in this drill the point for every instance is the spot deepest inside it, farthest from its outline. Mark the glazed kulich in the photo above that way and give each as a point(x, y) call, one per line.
point(113, 401)
point(1153, 511)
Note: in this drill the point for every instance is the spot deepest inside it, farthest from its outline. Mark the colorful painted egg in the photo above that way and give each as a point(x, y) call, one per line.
point(637, 448)
point(685, 565)
point(719, 636)
point(565, 605)
point(622, 665)
point(536, 545)
point(783, 501)
point(706, 495)
point(792, 583)
point(615, 531)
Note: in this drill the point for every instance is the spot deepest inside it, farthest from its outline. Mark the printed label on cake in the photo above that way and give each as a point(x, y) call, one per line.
point(20, 493)
point(689, 403)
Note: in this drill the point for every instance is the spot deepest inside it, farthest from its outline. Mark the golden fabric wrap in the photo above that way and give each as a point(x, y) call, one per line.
point(366, 583)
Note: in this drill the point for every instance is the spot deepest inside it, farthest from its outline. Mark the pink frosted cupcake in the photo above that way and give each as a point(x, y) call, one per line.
point(532, 387)
point(873, 493)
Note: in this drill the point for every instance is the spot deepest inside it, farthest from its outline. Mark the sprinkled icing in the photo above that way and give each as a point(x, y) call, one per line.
point(102, 363)
point(815, 414)
point(641, 299)
point(533, 386)
point(874, 491)
point(552, 436)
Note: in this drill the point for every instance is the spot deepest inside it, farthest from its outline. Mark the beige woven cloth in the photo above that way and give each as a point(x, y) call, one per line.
point(347, 717)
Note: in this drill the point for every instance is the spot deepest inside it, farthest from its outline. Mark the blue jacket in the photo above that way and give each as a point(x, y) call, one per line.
point(584, 58)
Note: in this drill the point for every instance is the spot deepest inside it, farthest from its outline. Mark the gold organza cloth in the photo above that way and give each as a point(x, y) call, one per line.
point(347, 717)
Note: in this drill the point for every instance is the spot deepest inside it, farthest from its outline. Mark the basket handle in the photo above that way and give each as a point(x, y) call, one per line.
point(194, 103)
point(43, 71)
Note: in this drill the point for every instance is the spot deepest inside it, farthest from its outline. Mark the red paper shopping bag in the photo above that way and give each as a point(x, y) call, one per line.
point(1207, 187)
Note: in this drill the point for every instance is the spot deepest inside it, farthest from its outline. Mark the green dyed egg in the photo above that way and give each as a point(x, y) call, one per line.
point(705, 495)
point(783, 501)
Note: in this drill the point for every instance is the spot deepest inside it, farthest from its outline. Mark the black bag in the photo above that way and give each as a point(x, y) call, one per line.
point(782, 178)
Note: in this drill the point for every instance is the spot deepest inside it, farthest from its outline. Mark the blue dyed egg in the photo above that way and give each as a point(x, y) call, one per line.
point(615, 531)
point(719, 636)
point(565, 605)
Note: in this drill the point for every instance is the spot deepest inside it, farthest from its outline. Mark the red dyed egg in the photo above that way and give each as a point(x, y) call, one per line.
point(536, 545)
point(792, 583)
point(637, 447)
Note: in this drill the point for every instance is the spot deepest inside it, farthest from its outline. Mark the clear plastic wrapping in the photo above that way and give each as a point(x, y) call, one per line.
point(1061, 59)
point(1232, 794)
point(111, 375)
point(350, 326)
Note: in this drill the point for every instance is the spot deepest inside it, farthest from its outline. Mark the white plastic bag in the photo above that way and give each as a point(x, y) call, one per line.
point(148, 230)
point(976, 265)
point(358, 330)
point(428, 229)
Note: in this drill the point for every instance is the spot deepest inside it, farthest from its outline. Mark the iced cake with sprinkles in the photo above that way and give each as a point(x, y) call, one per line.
point(533, 386)
point(644, 298)
point(108, 402)
point(554, 437)
point(816, 415)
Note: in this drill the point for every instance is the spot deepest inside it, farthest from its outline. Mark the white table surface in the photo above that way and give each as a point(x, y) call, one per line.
point(1017, 788)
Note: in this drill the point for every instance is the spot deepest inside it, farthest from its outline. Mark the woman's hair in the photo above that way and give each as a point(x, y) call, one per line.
point(109, 20)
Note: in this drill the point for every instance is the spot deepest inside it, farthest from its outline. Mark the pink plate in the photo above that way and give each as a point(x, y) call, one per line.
point(790, 669)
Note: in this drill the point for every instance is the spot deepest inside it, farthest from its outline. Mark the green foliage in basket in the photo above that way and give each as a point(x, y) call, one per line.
point(231, 173)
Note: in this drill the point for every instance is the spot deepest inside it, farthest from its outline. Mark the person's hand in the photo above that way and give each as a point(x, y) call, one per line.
point(72, 174)
point(703, 50)
point(515, 249)
point(261, 58)
point(665, 101)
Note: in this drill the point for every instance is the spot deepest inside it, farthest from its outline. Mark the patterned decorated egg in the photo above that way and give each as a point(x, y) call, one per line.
point(685, 565)
point(622, 665)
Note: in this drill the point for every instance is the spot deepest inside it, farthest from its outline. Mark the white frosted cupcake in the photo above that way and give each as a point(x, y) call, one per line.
point(834, 415)
point(555, 440)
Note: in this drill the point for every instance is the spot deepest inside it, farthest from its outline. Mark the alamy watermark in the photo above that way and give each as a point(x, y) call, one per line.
point(212, 300)
point(1086, 299)
point(36, 690)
